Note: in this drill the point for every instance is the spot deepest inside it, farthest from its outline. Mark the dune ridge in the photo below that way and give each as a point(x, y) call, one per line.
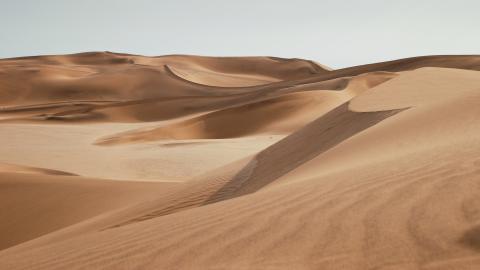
point(120, 161)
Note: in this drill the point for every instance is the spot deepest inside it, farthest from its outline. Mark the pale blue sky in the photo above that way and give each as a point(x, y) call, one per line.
point(336, 33)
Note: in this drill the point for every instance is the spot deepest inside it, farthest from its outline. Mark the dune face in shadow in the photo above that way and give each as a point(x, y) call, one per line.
point(312, 140)
point(119, 161)
point(279, 111)
point(471, 238)
point(285, 155)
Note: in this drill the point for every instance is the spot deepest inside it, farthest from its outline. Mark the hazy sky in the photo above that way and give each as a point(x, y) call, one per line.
point(335, 33)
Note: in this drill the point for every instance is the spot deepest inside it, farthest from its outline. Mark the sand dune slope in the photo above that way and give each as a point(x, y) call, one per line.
point(406, 217)
point(278, 163)
point(281, 112)
point(73, 87)
point(35, 204)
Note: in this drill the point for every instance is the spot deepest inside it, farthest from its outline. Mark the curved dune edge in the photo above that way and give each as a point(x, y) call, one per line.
point(369, 167)
point(214, 79)
point(133, 83)
point(75, 88)
point(254, 173)
point(233, 180)
point(281, 113)
point(9, 168)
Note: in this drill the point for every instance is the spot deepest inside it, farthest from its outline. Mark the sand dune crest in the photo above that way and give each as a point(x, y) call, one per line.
point(120, 161)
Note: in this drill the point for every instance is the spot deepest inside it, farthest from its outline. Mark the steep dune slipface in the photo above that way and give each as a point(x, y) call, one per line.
point(282, 111)
point(440, 109)
point(284, 164)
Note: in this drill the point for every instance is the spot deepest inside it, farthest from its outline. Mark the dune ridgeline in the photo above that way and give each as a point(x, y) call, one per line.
point(117, 161)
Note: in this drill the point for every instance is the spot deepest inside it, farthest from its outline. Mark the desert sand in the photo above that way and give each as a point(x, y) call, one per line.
point(119, 161)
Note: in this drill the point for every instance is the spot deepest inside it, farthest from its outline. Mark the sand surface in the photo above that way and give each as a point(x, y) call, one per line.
point(117, 161)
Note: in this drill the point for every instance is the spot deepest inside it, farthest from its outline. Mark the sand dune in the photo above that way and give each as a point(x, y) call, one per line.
point(251, 163)
point(35, 204)
point(74, 87)
point(282, 112)
point(7, 168)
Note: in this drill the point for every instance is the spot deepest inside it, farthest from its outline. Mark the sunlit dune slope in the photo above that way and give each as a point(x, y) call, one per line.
point(277, 163)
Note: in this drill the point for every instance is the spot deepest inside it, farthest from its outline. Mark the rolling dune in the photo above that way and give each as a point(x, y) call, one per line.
point(33, 204)
point(118, 161)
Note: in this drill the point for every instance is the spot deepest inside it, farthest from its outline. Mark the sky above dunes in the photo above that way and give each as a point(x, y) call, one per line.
point(335, 33)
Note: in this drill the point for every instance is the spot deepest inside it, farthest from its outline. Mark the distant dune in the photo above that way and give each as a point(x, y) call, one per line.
point(118, 161)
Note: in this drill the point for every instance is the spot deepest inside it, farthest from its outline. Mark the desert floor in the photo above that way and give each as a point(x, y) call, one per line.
point(117, 161)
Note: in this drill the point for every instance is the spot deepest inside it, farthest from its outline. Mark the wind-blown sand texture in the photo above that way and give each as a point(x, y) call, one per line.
point(117, 161)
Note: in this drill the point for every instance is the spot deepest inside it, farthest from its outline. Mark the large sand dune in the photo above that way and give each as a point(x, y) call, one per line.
point(117, 161)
